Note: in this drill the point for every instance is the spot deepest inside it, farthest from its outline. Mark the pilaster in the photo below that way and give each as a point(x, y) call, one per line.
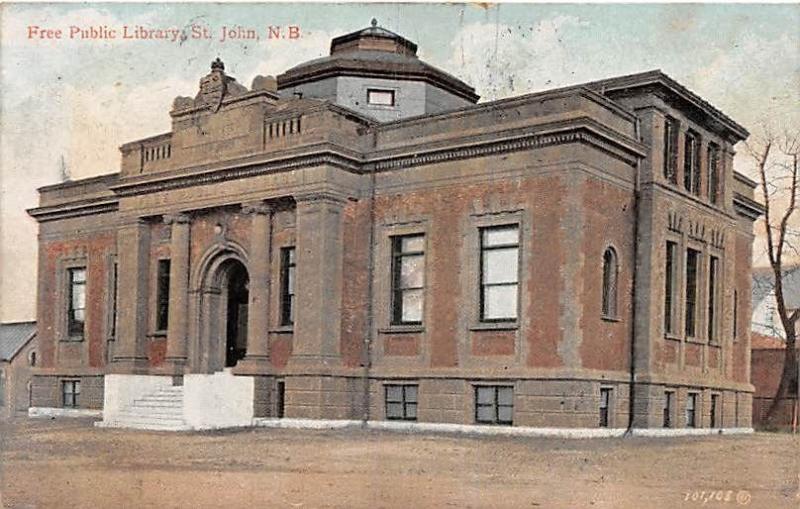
point(177, 322)
point(133, 248)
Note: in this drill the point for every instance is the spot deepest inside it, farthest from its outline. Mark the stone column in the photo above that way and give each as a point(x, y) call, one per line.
point(318, 318)
point(133, 248)
point(257, 356)
point(177, 323)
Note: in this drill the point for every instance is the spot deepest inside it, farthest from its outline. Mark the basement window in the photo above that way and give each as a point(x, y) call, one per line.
point(380, 97)
point(494, 404)
point(70, 390)
point(401, 402)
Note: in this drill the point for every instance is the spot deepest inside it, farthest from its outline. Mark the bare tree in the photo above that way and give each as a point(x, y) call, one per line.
point(776, 159)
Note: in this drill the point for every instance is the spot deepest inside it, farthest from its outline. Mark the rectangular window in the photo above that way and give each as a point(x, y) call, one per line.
point(669, 287)
point(112, 326)
point(713, 173)
point(70, 390)
point(499, 273)
point(691, 163)
point(494, 404)
point(692, 266)
point(401, 402)
point(162, 295)
point(280, 399)
point(669, 399)
point(76, 313)
point(380, 97)
point(714, 411)
point(713, 292)
point(605, 405)
point(735, 315)
point(288, 265)
point(671, 150)
point(408, 278)
point(691, 410)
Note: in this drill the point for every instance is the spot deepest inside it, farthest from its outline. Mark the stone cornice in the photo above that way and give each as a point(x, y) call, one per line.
point(585, 131)
point(747, 207)
point(74, 209)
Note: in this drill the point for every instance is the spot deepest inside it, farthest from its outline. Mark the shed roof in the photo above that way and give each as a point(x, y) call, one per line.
point(13, 336)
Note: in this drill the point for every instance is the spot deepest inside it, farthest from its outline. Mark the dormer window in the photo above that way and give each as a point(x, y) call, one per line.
point(380, 97)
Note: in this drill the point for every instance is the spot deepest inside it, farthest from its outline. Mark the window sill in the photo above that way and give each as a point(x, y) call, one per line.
point(696, 341)
point(402, 329)
point(159, 334)
point(613, 319)
point(494, 326)
point(672, 337)
point(283, 329)
point(72, 339)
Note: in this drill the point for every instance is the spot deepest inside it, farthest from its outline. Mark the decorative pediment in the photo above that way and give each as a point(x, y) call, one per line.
point(214, 88)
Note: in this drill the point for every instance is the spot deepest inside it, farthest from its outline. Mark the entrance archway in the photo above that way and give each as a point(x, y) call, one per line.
point(222, 308)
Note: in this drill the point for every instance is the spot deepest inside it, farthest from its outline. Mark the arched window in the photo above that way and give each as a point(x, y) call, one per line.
point(32, 358)
point(610, 283)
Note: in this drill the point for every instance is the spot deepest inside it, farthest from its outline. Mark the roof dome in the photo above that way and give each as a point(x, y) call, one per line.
point(377, 53)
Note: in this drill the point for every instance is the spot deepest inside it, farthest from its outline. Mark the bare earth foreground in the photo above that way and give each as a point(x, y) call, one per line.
point(68, 463)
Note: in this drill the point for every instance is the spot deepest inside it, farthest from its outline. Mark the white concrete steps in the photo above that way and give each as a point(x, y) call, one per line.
point(158, 410)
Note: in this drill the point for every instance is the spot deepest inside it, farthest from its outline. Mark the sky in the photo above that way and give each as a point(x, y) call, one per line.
point(68, 103)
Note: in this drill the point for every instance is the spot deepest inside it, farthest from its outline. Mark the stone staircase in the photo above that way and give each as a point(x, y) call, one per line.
point(159, 410)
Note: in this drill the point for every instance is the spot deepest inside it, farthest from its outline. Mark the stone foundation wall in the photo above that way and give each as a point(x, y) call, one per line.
point(46, 391)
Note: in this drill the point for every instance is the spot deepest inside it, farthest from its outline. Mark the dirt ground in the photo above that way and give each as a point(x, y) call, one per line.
point(67, 463)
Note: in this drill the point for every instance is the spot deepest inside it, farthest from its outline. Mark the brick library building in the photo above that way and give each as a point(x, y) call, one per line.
point(359, 239)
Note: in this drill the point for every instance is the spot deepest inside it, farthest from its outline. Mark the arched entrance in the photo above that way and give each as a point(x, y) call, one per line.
point(222, 307)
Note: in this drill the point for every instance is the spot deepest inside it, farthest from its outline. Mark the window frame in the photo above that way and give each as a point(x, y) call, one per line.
point(163, 282)
point(482, 286)
point(694, 398)
point(494, 404)
point(714, 414)
point(668, 410)
point(287, 301)
point(404, 401)
point(73, 394)
point(610, 284)
point(712, 299)
point(671, 261)
point(75, 333)
point(377, 90)
point(670, 154)
point(691, 162)
point(606, 411)
point(691, 318)
point(713, 163)
point(396, 291)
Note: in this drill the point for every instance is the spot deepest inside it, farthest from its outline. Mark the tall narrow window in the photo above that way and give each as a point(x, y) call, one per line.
point(714, 418)
point(70, 390)
point(691, 410)
point(408, 278)
point(692, 265)
point(691, 163)
point(162, 295)
point(669, 398)
point(112, 325)
point(669, 287)
point(713, 292)
point(735, 315)
point(499, 273)
point(494, 404)
point(671, 150)
point(713, 173)
point(609, 305)
point(287, 285)
point(280, 399)
point(605, 405)
point(76, 312)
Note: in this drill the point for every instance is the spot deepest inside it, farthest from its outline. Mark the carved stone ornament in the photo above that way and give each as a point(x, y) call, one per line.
point(213, 86)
